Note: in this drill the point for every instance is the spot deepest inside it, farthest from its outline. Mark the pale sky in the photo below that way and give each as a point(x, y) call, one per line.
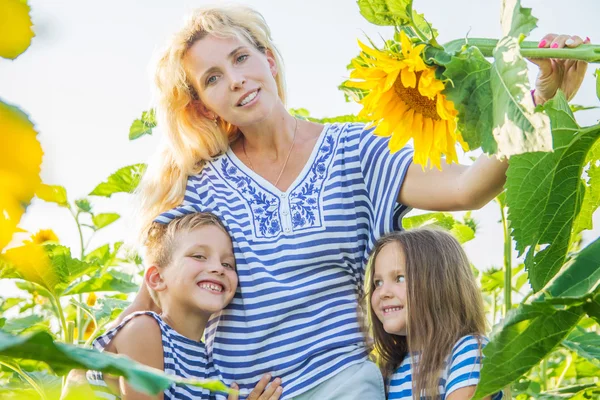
point(85, 78)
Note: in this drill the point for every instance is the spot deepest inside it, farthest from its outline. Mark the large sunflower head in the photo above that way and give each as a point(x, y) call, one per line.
point(405, 101)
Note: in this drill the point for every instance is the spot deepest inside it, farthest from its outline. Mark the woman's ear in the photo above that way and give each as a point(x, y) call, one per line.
point(272, 62)
point(154, 279)
point(203, 110)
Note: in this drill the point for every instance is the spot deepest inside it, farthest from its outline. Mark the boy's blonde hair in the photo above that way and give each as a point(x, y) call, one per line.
point(443, 304)
point(191, 138)
point(161, 239)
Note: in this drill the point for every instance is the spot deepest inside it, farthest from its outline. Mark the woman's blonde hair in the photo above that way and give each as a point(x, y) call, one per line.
point(443, 304)
point(191, 139)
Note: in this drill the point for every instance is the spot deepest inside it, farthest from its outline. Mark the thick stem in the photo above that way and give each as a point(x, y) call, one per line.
point(585, 52)
point(507, 263)
point(26, 378)
point(61, 317)
point(544, 376)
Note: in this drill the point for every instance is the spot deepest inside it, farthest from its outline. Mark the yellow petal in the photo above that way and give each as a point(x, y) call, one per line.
point(15, 28)
point(408, 77)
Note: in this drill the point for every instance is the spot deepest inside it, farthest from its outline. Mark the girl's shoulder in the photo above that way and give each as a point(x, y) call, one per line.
point(469, 343)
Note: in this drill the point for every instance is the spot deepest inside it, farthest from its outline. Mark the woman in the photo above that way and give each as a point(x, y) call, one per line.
point(303, 202)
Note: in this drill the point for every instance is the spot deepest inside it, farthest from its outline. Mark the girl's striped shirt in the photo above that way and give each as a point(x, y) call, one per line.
point(183, 357)
point(460, 370)
point(300, 256)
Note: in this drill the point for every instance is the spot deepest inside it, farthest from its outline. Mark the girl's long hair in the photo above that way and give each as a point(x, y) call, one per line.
point(443, 304)
point(190, 139)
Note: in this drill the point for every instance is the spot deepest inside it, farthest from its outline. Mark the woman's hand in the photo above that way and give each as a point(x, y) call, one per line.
point(273, 392)
point(566, 75)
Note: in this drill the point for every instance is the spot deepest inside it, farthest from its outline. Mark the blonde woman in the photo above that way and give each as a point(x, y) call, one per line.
point(304, 202)
point(426, 316)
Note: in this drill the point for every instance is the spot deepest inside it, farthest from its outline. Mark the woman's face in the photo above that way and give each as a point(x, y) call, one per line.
point(389, 294)
point(234, 80)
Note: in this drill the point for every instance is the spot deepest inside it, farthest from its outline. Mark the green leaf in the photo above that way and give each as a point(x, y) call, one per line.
point(18, 325)
point(471, 93)
point(8, 303)
point(62, 358)
point(544, 193)
point(517, 21)
point(143, 126)
point(521, 342)
point(592, 308)
point(67, 267)
point(105, 282)
point(83, 205)
point(125, 180)
point(579, 280)
point(597, 75)
point(462, 233)
point(577, 107)
point(102, 220)
point(303, 113)
point(591, 197)
point(385, 12)
point(53, 194)
point(441, 219)
point(517, 127)
point(586, 344)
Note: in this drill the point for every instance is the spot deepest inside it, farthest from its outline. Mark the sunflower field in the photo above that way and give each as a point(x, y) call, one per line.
point(443, 98)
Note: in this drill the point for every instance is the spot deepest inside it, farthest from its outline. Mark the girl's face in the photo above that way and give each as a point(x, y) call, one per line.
point(389, 294)
point(234, 80)
point(202, 274)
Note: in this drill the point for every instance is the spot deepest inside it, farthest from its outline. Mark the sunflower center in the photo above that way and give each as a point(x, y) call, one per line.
point(416, 100)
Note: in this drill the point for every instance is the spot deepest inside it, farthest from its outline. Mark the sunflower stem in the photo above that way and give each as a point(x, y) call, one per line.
point(529, 49)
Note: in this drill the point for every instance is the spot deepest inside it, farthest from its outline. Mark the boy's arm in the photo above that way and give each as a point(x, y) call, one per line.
point(141, 341)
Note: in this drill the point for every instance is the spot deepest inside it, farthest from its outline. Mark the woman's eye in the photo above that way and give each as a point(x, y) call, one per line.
point(241, 58)
point(400, 278)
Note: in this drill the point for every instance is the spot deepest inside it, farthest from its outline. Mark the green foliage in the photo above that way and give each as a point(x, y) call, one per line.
point(143, 126)
point(544, 193)
point(102, 220)
point(125, 180)
point(461, 231)
point(533, 330)
point(386, 12)
point(62, 358)
point(53, 194)
point(471, 93)
point(597, 75)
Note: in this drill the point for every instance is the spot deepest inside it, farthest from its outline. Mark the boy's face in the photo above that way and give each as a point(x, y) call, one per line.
point(202, 274)
point(389, 294)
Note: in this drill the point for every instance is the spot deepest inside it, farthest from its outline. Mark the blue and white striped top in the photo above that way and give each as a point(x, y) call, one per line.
point(300, 256)
point(182, 357)
point(461, 370)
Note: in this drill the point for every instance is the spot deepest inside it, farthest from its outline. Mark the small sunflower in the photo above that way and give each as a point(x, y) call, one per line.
point(405, 101)
point(43, 236)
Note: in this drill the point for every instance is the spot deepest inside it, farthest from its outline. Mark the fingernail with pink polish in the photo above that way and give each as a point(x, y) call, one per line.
point(542, 43)
point(554, 45)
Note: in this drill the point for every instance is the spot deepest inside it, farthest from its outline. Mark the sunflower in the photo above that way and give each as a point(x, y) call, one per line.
point(20, 159)
point(405, 101)
point(43, 236)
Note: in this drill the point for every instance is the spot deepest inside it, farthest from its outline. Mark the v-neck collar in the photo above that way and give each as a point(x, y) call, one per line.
point(268, 185)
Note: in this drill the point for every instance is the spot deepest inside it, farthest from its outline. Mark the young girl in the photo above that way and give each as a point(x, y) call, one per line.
point(191, 275)
point(426, 315)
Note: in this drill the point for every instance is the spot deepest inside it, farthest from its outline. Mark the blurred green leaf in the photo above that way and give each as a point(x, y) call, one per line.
point(125, 180)
point(102, 220)
point(143, 126)
point(18, 325)
point(441, 219)
point(111, 281)
point(62, 358)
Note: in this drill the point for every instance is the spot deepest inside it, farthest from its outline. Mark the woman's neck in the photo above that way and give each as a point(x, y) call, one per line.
point(272, 137)
point(190, 324)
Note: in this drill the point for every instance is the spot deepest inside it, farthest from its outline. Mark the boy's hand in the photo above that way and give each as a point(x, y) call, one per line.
point(273, 392)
